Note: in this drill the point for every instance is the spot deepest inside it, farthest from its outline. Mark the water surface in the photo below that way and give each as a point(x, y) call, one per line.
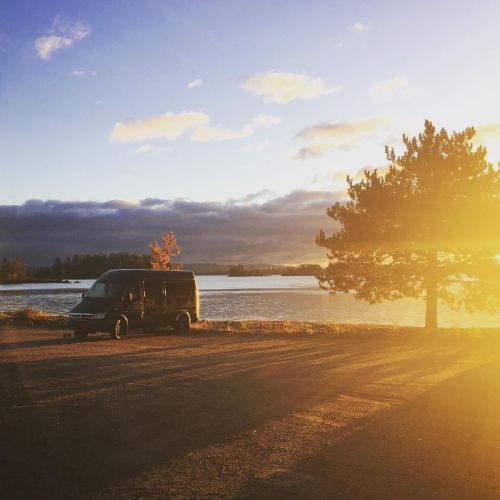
point(258, 297)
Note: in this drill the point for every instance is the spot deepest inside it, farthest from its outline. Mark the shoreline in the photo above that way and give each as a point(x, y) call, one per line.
point(41, 319)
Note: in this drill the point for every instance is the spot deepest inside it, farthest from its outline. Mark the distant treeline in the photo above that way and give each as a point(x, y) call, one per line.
point(78, 266)
point(91, 266)
point(302, 270)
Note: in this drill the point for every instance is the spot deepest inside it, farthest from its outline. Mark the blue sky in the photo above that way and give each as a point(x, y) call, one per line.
point(96, 102)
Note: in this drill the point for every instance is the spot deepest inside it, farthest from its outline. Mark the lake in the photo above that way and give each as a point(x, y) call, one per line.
point(259, 297)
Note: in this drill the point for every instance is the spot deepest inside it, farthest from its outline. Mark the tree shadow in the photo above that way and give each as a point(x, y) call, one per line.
point(84, 424)
point(445, 443)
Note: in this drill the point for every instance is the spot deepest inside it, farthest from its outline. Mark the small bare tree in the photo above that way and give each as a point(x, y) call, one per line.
point(160, 254)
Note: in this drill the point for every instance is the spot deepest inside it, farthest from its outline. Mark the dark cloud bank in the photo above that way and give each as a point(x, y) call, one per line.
point(281, 230)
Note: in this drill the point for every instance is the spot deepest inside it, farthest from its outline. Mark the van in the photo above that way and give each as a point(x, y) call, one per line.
point(125, 298)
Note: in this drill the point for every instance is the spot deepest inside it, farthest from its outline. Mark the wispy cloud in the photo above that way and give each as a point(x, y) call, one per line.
point(206, 133)
point(488, 133)
point(64, 35)
point(312, 151)
point(358, 26)
point(82, 72)
point(342, 131)
point(385, 90)
point(150, 150)
point(326, 137)
point(167, 126)
point(285, 87)
point(173, 125)
point(195, 83)
point(490, 129)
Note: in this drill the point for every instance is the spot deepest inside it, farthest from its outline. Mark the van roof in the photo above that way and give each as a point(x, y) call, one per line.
point(143, 273)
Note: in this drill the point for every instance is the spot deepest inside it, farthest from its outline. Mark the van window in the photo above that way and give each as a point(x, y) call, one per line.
point(105, 288)
point(179, 290)
point(154, 291)
point(135, 289)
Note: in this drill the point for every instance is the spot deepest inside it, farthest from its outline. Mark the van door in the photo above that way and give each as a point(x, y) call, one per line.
point(154, 302)
point(133, 302)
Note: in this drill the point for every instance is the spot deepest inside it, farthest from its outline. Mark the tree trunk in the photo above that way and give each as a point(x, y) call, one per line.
point(431, 292)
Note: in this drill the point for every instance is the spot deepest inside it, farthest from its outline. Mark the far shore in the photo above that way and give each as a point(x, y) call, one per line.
point(29, 281)
point(33, 280)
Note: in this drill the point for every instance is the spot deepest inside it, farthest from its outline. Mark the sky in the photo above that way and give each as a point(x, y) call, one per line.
point(177, 105)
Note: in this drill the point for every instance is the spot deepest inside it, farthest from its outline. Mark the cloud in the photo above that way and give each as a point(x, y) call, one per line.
point(358, 27)
point(312, 151)
point(285, 87)
point(342, 130)
point(195, 83)
point(167, 126)
point(325, 137)
point(65, 34)
point(206, 133)
point(260, 227)
point(387, 89)
point(99, 102)
point(173, 125)
point(261, 196)
point(150, 150)
point(82, 72)
point(487, 132)
point(46, 45)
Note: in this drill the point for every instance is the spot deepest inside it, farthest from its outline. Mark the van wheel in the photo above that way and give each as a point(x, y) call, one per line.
point(80, 334)
point(182, 324)
point(120, 328)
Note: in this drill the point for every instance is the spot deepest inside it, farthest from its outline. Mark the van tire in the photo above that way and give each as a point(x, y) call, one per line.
point(80, 334)
point(182, 324)
point(120, 328)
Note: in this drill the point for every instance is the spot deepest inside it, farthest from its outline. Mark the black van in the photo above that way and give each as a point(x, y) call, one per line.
point(137, 298)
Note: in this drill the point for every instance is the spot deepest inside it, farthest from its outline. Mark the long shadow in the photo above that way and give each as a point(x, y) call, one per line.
point(28, 344)
point(445, 443)
point(148, 365)
point(76, 426)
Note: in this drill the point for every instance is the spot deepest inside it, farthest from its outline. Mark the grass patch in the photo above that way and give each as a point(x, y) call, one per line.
point(304, 328)
point(31, 317)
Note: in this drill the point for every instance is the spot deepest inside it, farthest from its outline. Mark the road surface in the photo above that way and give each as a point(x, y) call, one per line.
point(239, 416)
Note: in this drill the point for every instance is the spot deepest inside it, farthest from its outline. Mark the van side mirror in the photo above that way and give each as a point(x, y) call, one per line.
point(84, 294)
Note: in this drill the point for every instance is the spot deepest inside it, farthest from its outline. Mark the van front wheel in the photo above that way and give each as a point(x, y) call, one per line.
point(182, 324)
point(120, 328)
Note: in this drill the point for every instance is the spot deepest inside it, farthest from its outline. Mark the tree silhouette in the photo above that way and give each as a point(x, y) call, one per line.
point(427, 228)
point(11, 270)
point(160, 254)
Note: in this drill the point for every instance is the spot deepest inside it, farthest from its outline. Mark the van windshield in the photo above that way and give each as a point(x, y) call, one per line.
point(105, 289)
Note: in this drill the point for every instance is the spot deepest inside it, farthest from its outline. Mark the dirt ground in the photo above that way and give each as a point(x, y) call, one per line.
point(240, 416)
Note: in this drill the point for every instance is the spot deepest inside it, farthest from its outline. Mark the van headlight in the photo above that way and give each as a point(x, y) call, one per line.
point(98, 316)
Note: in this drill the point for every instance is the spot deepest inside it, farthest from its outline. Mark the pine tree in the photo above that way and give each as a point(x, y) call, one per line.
point(428, 228)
